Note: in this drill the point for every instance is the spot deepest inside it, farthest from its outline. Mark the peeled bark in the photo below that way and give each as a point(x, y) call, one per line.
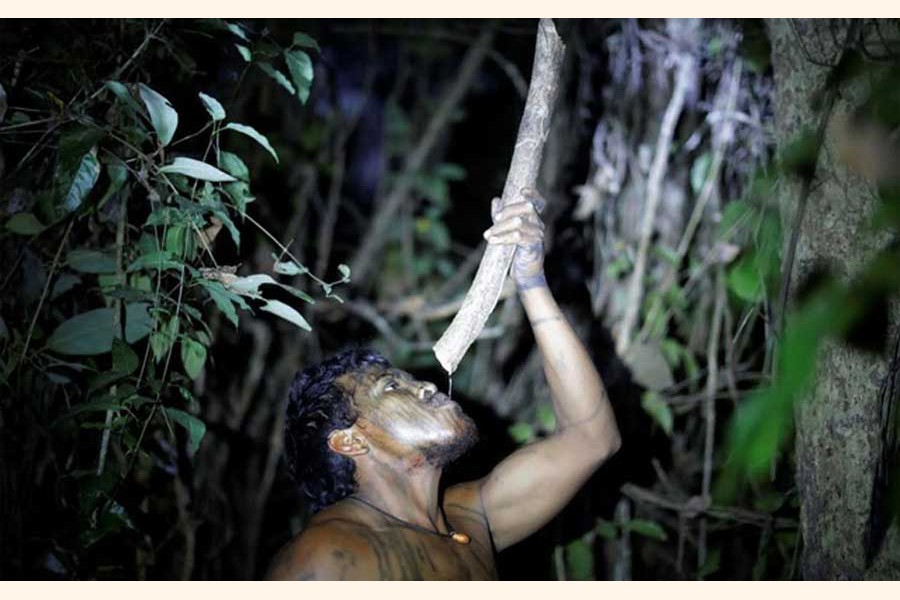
point(523, 171)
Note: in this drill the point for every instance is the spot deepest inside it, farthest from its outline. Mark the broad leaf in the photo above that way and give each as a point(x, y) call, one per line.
point(83, 181)
point(522, 433)
point(237, 30)
point(244, 51)
point(301, 69)
point(118, 174)
point(221, 297)
point(25, 224)
point(659, 410)
point(193, 356)
point(255, 135)
point(160, 260)
point(162, 115)
point(195, 427)
point(233, 165)
point(91, 261)
point(213, 107)
point(650, 529)
point(580, 560)
point(63, 284)
point(287, 313)
point(305, 41)
point(123, 95)
point(290, 268)
point(86, 334)
point(278, 76)
point(138, 321)
point(125, 360)
point(196, 169)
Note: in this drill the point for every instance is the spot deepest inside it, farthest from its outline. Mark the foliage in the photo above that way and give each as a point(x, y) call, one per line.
point(125, 207)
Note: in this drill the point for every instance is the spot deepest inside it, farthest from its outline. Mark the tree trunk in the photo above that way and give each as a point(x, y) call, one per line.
point(838, 425)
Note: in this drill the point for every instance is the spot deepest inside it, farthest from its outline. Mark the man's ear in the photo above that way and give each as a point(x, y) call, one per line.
point(348, 442)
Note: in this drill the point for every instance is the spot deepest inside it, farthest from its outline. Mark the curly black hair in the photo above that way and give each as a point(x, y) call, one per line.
point(316, 407)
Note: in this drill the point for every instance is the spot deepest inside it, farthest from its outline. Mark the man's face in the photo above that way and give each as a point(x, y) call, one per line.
point(406, 417)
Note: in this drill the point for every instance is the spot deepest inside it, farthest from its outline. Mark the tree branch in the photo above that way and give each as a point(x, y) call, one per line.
point(523, 171)
point(685, 70)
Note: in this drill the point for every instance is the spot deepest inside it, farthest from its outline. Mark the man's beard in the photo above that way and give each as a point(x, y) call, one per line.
point(441, 455)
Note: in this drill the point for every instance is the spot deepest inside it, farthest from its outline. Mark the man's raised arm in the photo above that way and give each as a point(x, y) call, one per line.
point(533, 484)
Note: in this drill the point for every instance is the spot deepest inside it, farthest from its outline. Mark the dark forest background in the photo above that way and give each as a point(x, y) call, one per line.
point(193, 210)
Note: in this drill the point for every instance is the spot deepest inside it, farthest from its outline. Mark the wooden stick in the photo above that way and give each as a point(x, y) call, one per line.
point(523, 170)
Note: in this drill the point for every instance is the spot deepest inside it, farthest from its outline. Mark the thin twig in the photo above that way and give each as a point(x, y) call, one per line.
point(40, 305)
point(684, 72)
point(709, 412)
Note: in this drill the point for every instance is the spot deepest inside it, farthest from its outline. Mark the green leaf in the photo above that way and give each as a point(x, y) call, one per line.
point(213, 107)
point(196, 169)
point(734, 216)
point(118, 174)
point(658, 410)
point(301, 69)
point(162, 115)
point(63, 284)
point(91, 261)
point(195, 427)
point(305, 41)
point(220, 296)
point(125, 360)
point(162, 340)
point(711, 565)
point(240, 195)
point(160, 260)
point(237, 30)
point(122, 94)
point(233, 165)
point(291, 268)
point(650, 529)
point(278, 76)
point(83, 181)
point(193, 356)
point(745, 280)
point(606, 529)
point(244, 51)
point(286, 312)
point(86, 334)
point(580, 560)
point(522, 433)
point(344, 271)
point(98, 405)
point(249, 286)
point(255, 135)
point(25, 224)
point(546, 417)
point(138, 321)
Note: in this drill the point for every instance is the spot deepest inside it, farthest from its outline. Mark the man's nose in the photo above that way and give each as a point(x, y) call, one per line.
point(427, 390)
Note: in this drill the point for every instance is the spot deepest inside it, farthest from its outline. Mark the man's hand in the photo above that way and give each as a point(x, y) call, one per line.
point(520, 223)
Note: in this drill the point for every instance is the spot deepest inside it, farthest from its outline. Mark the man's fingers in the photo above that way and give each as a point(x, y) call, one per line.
point(515, 224)
point(525, 234)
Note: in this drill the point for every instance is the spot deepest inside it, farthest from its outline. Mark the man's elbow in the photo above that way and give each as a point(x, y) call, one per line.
point(605, 441)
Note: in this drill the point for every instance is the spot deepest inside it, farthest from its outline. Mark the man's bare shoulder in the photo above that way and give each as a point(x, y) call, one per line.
point(334, 546)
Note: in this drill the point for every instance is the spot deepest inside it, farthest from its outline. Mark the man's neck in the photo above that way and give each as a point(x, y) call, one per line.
point(408, 491)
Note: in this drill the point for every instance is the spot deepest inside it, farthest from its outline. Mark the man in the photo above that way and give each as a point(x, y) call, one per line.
point(368, 443)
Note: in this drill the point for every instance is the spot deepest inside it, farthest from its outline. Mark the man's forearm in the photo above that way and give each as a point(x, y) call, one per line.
point(579, 397)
